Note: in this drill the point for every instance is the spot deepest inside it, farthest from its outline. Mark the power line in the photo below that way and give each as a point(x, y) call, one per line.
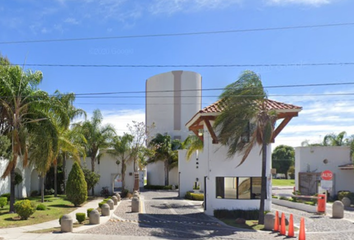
point(180, 34)
point(187, 65)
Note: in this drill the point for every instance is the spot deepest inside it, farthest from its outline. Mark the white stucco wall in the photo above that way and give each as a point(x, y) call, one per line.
point(107, 169)
point(213, 162)
point(4, 183)
point(311, 159)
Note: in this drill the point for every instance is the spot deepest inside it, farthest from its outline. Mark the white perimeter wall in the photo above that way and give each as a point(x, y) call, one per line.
point(310, 159)
point(108, 170)
point(156, 174)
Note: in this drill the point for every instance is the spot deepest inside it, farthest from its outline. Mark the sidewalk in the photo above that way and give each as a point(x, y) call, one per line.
point(20, 232)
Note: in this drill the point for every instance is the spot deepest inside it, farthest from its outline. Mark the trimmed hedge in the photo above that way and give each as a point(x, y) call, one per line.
point(233, 214)
point(7, 195)
point(89, 210)
point(24, 208)
point(342, 194)
point(159, 187)
point(194, 196)
point(76, 187)
point(41, 207)
point(3, 201)
point(80, 217)
point(101, 203)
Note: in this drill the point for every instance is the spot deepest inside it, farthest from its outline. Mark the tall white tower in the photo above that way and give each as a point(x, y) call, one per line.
point(172, 98)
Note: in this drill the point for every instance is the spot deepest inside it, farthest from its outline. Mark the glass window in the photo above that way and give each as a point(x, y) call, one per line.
point(256, 187)
point(238, 187)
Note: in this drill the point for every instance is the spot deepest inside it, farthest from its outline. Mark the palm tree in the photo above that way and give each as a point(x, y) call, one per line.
point(334, 140)
point(24, 111)
point(245, 121)
point(193, 144)
point(166, 151)
point(122, 150)
point(97, 137)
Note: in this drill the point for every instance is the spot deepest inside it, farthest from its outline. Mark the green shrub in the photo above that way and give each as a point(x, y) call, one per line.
point(76, 190)
point(34, 193)
point(60, 219)
point(80, 217)
point(101, 203)
point(3, 201)
point(49, 191)
point(342, 194)
point(24, 208)
point(7, 195)
point(233, 214)
point(41, 207)
point(194, 196)
point(89, 210)
point(124, 193)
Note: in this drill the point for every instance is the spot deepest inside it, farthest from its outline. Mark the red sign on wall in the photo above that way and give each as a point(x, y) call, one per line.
point(327, 175)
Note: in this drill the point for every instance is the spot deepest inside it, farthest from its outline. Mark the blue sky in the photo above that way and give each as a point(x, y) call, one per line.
point(322, 113)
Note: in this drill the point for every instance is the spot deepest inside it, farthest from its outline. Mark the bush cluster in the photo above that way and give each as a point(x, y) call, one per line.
point(194, 196)
point(89, 211)
point(34, 193)
point(60, 219)
point(3, 201)
point(41, 207)
point(159, 187)
point(80, 217)
point(24, 208)
point(7, 195)
point(342, 194)
point(233, 214)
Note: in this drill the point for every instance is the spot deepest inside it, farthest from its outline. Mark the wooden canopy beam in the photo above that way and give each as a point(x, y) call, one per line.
point(281, 127)
point(211, 131)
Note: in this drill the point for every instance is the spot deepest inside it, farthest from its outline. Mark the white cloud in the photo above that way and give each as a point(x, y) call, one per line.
point(300, 2)
point(71, 20)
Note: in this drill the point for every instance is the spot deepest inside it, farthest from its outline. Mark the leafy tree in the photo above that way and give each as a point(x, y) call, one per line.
point(98, 137)
point(166, 151)
point(245, 121)
point(123, 152)
point(5, 147)
point(282, 158)
point(76, 190)
point(91, 178)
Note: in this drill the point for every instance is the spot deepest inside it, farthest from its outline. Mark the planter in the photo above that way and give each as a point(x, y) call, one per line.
point(295, 205)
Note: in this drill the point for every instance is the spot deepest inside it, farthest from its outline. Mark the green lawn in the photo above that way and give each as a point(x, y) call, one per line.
point(283, 182)
point(55, 208)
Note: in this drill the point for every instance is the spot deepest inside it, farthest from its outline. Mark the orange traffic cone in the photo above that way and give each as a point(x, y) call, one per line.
point(276, 222)
point(302, 230)
point(282, 225)
point(291, 226)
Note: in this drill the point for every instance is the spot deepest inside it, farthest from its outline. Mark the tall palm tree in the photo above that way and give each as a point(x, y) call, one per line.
point(123, 152)
point(25, 111)
point(193, 144)
point(166, 151)
point(246, 121)
point(335, 140)
point(98, 137)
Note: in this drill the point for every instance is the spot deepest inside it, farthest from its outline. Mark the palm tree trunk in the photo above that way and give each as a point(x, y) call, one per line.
point(64, 172)
point(12, 190)
point(42, 188)
point(166, 173)
point(263, 181)
point(55, 179)
point(123, 175)
point(93, 170)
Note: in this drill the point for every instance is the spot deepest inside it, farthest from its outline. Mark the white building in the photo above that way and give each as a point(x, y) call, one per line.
point(312, 160)
point(226, 186)
point(172, 98)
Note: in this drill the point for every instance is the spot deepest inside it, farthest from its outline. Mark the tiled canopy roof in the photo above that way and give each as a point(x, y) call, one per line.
point(271, 105)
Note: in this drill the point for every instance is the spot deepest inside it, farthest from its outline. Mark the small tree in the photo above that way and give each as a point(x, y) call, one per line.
point(76, 190)
point(283, 157)
point(91, 178)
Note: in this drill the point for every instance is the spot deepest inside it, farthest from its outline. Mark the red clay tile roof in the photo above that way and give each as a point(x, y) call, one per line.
point(271, 105)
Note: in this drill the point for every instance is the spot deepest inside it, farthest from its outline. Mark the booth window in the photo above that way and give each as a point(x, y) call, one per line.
point(238, 187)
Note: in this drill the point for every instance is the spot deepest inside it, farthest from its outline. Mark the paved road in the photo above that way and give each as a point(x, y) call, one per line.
point(168, 217)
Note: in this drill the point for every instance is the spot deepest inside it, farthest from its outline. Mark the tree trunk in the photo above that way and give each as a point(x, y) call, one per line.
point(93, 170)
point(123, 175)
point(166, 173)
point(42, 188)
point(263, 181)
point(55, 179)
point(12, 190)
point(64, 172)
